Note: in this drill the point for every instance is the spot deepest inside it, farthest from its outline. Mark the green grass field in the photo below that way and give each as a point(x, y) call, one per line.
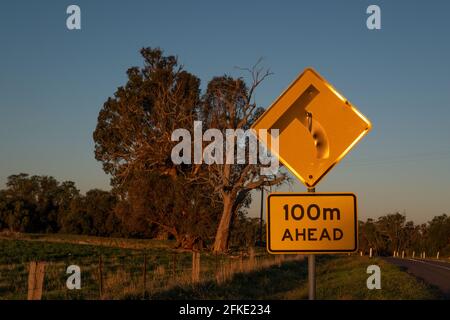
point(169, 272)
point(338, 278)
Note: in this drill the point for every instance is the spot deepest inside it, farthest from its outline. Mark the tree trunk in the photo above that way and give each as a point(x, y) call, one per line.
point(223, 230)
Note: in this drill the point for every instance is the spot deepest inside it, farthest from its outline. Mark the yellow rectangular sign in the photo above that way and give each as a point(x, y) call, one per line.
point(311, 223)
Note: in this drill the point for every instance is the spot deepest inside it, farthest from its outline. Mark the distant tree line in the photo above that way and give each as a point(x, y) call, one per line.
point(392, 232)
point(41, 204)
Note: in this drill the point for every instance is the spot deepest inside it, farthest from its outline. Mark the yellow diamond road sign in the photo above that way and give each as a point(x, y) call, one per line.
point(317, 127)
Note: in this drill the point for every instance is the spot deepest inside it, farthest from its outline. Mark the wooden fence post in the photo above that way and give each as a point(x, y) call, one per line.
point(252, 259)
point(195, 266)
point(251, 253)
point(36, 280)
point(144, 276)
point(100, 275)
point(31, 280)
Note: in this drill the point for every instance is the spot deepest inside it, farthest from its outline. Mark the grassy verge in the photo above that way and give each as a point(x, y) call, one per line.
point(345, 278)
point(337, 278)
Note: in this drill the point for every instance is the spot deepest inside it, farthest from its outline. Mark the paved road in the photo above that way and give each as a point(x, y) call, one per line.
point(433, 272)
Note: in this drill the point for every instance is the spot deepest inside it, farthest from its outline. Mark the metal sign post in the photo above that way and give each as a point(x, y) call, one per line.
point(312, 269)
point(311, 277)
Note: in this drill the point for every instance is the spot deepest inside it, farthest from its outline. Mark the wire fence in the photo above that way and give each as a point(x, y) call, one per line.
point(133, 276)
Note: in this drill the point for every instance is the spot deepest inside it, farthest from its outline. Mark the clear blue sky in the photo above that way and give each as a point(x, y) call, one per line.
point(53, 82)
